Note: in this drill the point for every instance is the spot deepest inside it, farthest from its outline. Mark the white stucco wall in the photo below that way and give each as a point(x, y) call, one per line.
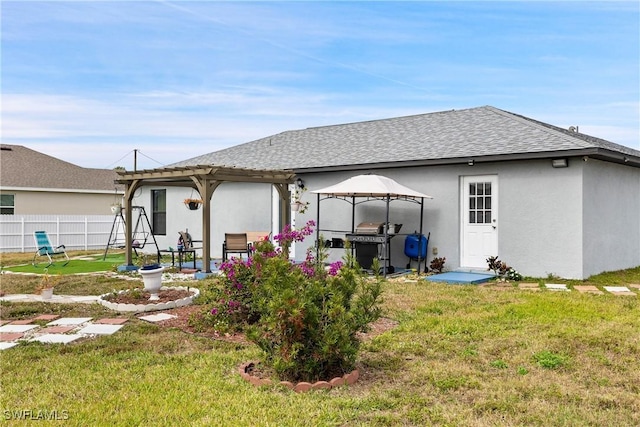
point(236, 207)
point(541, 218)
point(539, 213)
point(611, 217)
point(569, 222)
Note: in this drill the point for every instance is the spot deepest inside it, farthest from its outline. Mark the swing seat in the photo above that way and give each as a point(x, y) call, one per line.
point(45, 249)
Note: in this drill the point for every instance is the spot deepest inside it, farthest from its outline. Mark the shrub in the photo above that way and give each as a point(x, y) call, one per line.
point(437, 264)
point(303, 317)
point(501, 269)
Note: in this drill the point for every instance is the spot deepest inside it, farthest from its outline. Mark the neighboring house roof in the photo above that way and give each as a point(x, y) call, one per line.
point(443, 137)
point(23, 168)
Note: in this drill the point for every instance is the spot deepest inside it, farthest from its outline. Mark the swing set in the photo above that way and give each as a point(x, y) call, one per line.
point(142, 231)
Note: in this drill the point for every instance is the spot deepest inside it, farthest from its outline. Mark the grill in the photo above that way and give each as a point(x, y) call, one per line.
point(367, 238)
point(370, 228)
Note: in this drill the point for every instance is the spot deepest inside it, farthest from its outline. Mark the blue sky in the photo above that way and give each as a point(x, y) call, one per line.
point(89, 82)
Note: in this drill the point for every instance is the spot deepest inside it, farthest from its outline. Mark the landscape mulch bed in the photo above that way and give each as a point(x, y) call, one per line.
point(184, 313)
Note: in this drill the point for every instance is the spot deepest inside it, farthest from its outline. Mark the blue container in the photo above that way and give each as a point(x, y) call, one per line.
point(414, 245)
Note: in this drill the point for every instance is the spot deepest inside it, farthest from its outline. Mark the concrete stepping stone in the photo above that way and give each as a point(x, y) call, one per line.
point(112, 321)
point(4, 322)
point(58, 329)
point(635, 286)
point(10, 336)
point(157, 317)
point(57, 338)
point(617, 290)
point(558, 287)
point(17, 328)
point(6, 345)
point(95, 329)
point(70, 321)
point(529, 286)
point(22, 322)
point(588, 289)
point(47, 317)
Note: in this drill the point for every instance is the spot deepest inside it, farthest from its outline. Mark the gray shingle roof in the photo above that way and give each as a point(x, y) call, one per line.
point(22, 167)
point(475, 132)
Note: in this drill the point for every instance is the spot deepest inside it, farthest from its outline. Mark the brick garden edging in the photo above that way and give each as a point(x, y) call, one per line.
point(301, 387)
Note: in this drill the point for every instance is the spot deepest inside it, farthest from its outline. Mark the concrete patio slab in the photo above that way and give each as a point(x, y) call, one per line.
point(460, 278)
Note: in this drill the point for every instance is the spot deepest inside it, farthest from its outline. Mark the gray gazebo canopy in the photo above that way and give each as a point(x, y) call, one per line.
point(204, 179)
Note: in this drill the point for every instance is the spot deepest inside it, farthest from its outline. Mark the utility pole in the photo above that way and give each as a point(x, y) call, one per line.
point(135, 160)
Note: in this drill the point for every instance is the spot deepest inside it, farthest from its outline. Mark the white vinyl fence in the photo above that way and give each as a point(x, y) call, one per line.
point(75, 232)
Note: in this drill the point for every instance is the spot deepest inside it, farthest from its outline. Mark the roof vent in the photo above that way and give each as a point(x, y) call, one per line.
point(573, 129)
point(5, 148)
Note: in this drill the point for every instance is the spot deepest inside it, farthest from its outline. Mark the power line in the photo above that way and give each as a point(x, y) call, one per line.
point(111, 165)
point(129, 153)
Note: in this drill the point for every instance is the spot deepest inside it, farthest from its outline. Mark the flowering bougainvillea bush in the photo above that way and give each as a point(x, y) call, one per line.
point(304, 316)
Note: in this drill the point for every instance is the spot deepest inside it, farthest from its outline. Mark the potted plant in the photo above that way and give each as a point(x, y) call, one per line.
point(151, 273)
point(116, 208)
point(193, 204)
point(45, 289)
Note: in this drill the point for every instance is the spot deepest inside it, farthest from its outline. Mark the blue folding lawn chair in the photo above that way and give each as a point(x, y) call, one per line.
point(45, 249)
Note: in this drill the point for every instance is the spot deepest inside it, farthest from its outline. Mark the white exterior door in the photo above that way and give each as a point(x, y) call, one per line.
point(479, 239)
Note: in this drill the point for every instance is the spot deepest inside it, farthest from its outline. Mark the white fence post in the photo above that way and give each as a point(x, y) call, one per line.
point(22, 239)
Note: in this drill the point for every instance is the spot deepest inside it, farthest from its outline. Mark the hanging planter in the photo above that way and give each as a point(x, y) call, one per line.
point(192, 204)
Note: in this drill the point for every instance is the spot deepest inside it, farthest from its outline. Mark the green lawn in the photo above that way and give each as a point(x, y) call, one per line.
point(460, 356)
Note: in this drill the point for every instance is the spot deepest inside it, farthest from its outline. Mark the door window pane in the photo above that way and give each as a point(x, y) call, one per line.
point(480, 203)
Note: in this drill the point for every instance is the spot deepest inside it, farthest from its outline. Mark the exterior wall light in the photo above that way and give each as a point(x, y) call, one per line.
point(559, 163)
point(299, 183)
point(470, 162)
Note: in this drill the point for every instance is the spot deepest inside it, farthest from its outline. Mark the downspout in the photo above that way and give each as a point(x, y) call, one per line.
point(420, 237)
point(386, 250)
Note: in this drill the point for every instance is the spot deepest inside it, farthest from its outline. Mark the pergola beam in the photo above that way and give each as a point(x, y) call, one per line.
point(205, 179)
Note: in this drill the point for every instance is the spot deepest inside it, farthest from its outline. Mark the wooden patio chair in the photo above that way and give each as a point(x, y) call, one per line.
point(45, 249)
point(235, 243)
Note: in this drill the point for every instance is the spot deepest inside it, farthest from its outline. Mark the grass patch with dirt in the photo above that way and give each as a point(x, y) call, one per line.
point(459, 355)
